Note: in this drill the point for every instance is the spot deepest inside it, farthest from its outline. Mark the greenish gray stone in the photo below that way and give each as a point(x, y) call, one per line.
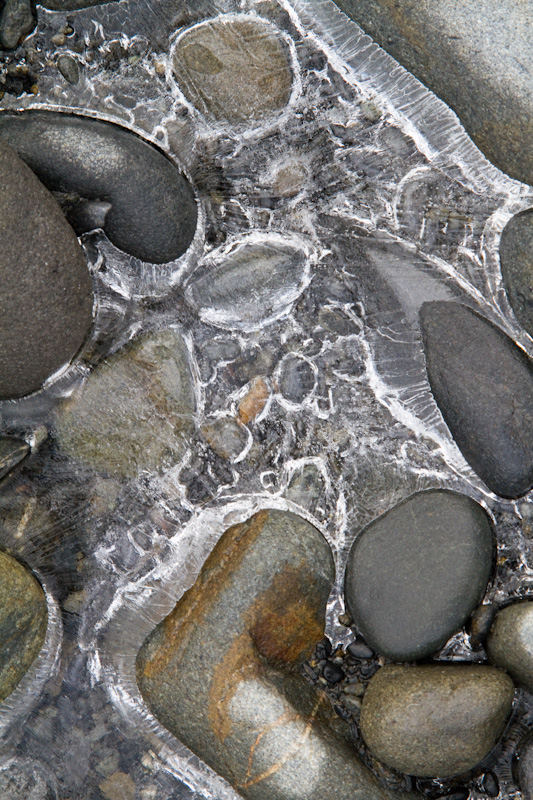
point(69, 68)
point(16, 21)
point(47, 298)
point(23, 621)
point(476, 56)
point(510, 643)
point(234, 70)
point(135, 411)
point(415, 574)
point(436, 720)
point(483, 385)
point(516, 261)
point(12, 451)
point(221, 671)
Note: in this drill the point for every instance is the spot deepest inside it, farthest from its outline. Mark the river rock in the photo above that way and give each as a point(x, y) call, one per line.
point(296, 378)
point(415, 574)
point(516, 260)
point(153, 210)
point(134, 412)
point(23, 621)
point(510, 643)
point(436, 720)
point(523, 767)
point(221, 671)
point(47, 298)
point(249, 284)
point(236, 70)
point(483, 385)
point(16, 21)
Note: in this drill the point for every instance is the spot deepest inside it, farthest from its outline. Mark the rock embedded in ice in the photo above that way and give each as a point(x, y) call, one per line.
point(46, 297)
point(226, 435)
point(296, 379)
point(16, 21)
point(510, 643)
point(23, 622)
point(221, 671)
point(12, 452)
point(415, 574)
point(523, 767)
point(483, 385)
point(153, 210)
point(135, 411)
point(234, 69)
point(68, 68)
point(249, 284)
point(516, 260)
point(436, 720)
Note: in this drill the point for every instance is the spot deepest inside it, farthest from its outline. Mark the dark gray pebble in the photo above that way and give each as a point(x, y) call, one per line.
point(523, 767)
point(490, 784)
point(333, 673)
point(480, 622)
point(360, 650)
point(516, 260)
point(12, 451)
point(458, 794)
point(483, 385)
point(296, 378)
point(153, 210)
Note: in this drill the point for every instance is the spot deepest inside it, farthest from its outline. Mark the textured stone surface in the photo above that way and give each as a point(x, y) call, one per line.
point(135, 411)
point(233, 69)
point(475, 55)
point(296, 378)
point(220, 672)
point(523, 767)
point(12, 451)
point(69, 68)
point(516, 260)
point(23, 619)
point(510, 643)
point(483, 385)
point(46, 309)
point(415, 574)
point(153, 210)
point(16, 21)
point(435, 720)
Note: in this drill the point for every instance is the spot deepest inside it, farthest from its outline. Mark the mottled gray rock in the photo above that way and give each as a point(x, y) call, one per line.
point(483, 385)
point(226, 435)
point(516, 260)
point(16, 21)
point(221, 671)
point(296, 378)
point(23, 620)
point(47, 299)
point(510, 643)
point(153, 210)
point(69, 68)
point(523, 767)
point(134, 412)
point(435, 720)
point(249, 285)
point(234, 70)
point(415, 574)
point(12, 451)
point(475, 55)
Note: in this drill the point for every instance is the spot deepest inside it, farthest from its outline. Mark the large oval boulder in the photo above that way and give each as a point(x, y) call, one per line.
point(510, 643)
point(415, 574)
point(483, 384)
point(45, 286)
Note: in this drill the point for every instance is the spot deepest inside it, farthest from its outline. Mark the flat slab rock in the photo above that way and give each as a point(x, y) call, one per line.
point(435, 720)
point(416, 573)
point(221, 671)
point(47, 297)
point(483, 385)
point(510, 643)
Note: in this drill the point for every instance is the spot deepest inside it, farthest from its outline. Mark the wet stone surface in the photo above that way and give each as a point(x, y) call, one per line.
point(414, 575)
point(12, 452)
point(435, 720)
point(510, 643)
point(516, 260)
point(523, 767)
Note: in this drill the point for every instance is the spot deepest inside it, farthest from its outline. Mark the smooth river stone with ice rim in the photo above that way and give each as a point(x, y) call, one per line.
point(23, 622)
point(510, 643)
point(221, 671)
point(153, 210)
point(236, 70)
point(135, 411)
point(516, 261)
point(436, 720)
point(415, 574)
point(483, 385)
point(46, 289)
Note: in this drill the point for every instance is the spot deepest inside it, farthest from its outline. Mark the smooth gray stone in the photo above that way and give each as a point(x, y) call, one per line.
point(516, 261)
point(12, 451)
point(46, 289)
point(16, 21)
point(69, 68)
point(483, 385)
point(475, 55)
point(221, 671)
point(415, 574)
point(523, 767)
point(153, 209)
point(510, 643)
point(435, 721)
point(296, 378)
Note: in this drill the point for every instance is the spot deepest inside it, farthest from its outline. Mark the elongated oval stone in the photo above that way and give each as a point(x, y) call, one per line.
point(435, 720)
point(23, 621)
point(510, 643)
point(416, 573)
point(46, 296)
point(12, 452)
point(483, 385)
point(152, 212)
point(221, 671)
point(516, 261)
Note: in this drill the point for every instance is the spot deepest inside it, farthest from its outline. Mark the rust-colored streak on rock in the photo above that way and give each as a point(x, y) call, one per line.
point(240, 662)
point(254, 401)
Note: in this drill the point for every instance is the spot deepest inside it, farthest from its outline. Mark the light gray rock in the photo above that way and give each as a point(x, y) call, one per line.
point(510, 643)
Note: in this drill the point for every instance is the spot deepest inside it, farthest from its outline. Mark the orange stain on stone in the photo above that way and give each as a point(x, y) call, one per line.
point(254, 401)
